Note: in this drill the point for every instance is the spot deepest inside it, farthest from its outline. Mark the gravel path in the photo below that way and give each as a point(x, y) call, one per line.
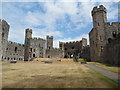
point(111, 75)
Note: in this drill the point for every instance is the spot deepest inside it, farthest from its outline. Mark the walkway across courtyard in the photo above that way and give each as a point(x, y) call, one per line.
point(111, 75)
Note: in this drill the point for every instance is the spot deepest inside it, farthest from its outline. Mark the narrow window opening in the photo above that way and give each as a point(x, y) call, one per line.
point(101, 48)
point(2, 34)
point(15, 49)
point(34, 50)
point(114, 34)
point(109, 40)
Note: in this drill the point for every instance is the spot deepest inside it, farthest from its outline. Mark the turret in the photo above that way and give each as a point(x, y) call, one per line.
point(0, 39)
point(99, 16)
point(84, 42)
point(49, 41)
point(5, 31)
point(28, 36)
point(61, 45)
point(28, 33)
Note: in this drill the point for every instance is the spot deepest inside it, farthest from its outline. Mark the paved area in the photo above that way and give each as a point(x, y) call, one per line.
point(111, 75)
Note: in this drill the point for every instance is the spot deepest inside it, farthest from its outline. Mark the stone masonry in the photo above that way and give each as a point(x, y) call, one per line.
point(33, 47)
point(73, 48)
point(101, 34)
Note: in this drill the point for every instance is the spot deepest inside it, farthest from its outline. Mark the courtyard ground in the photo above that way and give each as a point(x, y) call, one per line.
point(59, 74)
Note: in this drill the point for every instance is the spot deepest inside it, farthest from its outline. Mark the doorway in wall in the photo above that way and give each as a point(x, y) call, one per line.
point(33, 55)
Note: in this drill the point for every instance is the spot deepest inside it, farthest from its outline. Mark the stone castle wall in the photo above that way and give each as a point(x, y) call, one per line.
point(102, 34)
point(111, 53)
point(54, 53)
point(14, 51)
point(37, 47)
point(73, 48)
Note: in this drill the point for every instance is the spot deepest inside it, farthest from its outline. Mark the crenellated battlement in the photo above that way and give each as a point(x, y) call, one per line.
point(48, 37)
point(71, 42)
point(29, 30)
point(56, 49)
point(98, 9)
point(18, 44)
point(112, 24)
point(35, 38)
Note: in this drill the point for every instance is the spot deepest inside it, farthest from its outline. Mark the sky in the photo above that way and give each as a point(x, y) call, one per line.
point(64, 20)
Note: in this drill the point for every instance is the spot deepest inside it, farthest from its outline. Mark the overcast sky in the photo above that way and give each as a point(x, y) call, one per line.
point(66, 21)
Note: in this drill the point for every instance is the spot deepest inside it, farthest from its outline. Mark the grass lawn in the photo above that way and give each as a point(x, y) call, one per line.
point(64, 74)
point(109, 68)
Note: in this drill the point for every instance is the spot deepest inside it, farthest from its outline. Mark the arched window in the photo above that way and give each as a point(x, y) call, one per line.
point(48, 56)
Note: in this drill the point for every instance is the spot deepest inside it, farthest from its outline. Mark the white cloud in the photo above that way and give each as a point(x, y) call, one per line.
point(60, 0)
point(54, 11)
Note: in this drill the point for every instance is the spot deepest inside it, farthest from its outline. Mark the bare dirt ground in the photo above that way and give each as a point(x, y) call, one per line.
point(64, 74)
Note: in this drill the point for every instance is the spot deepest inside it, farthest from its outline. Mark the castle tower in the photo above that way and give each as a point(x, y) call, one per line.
point(97, 34)
point(5, 31)
point(84, 42)
point(28, 33)
point(28, 36)
point(99, 16)
point(0, 40)
point(61, 46)
point(49, 42)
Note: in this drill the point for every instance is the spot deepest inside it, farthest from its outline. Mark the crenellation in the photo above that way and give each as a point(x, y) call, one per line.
point(36, 38)
point(10, 42)
point(98, 9)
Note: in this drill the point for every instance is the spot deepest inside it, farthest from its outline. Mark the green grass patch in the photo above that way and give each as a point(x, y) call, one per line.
point(13, 69)
point(110, 82)
point(58, 77)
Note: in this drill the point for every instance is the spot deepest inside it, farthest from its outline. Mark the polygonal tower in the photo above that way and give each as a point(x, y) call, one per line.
point(0, 39)
point(5, 31)
point(49, 42)
point(99, 16)
point(84, 42)
point(61, 46)
point(97, 34)
point(28, 36)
